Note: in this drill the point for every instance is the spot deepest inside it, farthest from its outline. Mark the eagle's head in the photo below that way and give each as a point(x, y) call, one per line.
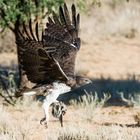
point(80, 81)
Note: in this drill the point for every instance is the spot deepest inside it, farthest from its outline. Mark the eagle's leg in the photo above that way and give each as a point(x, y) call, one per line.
point(42, 120)
point(64, 109)
point(61, 120)
point(46, 110)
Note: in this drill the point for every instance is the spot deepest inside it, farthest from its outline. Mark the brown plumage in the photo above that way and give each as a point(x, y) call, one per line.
point(53, 57)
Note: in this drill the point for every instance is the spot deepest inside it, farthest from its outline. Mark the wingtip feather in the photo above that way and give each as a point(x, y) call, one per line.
point(37, 35)
point(31, 30)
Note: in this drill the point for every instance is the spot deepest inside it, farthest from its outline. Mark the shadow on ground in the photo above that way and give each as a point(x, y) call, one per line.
point(118, 89)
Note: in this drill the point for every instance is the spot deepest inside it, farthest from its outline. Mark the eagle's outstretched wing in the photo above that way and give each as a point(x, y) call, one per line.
point(61, 33)
point(34, 59)
point(53, 57)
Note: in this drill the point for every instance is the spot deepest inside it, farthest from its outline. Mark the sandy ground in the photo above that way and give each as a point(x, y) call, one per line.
point(101, 123)
point(115, 58)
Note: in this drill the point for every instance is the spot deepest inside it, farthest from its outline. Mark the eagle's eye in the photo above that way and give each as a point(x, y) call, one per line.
point(77, 45)
point(87, 81)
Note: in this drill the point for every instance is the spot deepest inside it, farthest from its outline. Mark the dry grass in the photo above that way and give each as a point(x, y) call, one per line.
point(22, 123)
point(16, 126)
point(90, 105)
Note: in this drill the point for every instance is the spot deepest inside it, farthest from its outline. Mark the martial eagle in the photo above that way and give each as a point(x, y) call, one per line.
point(51, 59)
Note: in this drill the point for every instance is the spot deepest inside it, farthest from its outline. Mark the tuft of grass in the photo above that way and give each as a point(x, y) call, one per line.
point(90, 101)
point(8, 85)
point(91, 104)
point(12, 129)
point(137, 118)
point(115, 133)
point(136, 100)
point(73, 136)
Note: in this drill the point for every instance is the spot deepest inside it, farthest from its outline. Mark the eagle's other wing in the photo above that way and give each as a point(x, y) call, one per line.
point(34, 59)
point(62, 33)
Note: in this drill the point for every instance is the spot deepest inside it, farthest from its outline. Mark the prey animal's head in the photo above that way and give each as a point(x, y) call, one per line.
point(58, 108)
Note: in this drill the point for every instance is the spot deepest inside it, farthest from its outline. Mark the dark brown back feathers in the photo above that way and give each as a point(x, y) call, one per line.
point(53, 56)
point(62, 33)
